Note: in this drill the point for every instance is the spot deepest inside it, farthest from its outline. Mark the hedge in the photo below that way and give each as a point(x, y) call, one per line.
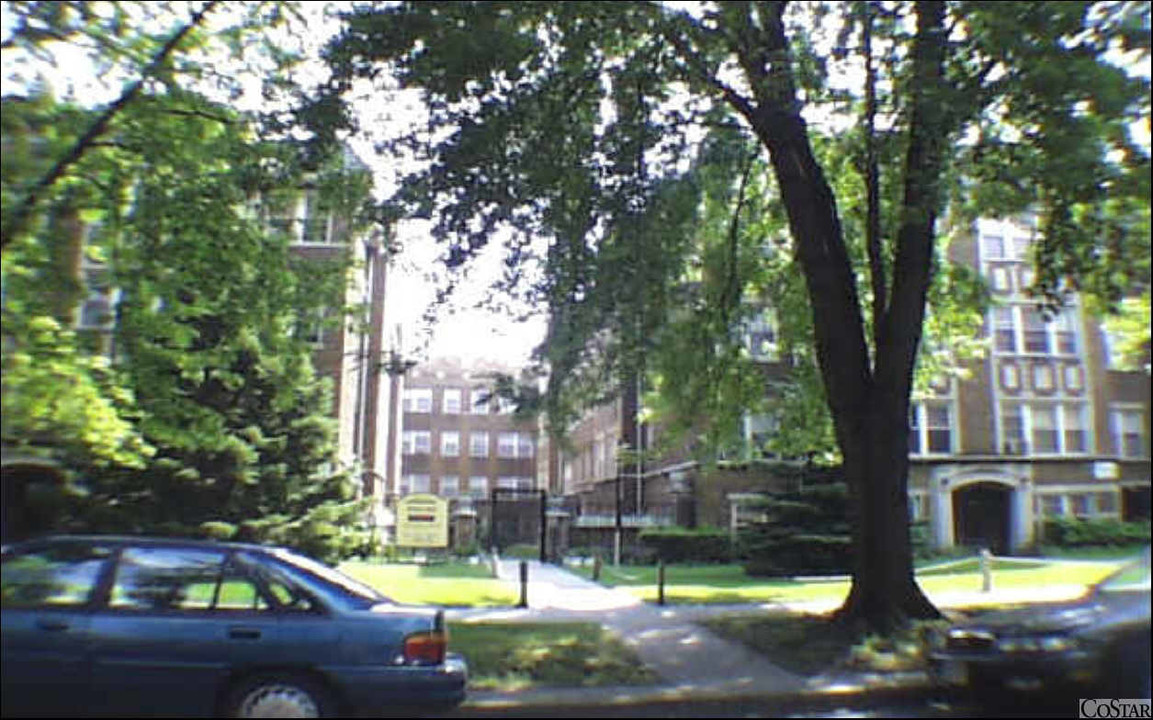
point(1096, 532)
point(685, 545)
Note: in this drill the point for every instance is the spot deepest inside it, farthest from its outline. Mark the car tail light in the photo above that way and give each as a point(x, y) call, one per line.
point(426, 648)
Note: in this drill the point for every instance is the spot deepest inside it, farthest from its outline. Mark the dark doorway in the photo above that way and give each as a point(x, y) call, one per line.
point(1135, 504)
point(982, 516)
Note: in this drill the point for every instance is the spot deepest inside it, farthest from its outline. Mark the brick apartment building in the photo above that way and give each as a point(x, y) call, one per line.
point(349, 349)
point(455, 440)
point(1044, 426)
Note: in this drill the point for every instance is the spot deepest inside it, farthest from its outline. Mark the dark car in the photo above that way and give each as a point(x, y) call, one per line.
point(131, 626)
point(1097, 643)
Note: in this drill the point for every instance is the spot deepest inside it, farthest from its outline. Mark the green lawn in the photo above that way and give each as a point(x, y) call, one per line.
point(503, 656)
point(452, 584)
point(729, 584)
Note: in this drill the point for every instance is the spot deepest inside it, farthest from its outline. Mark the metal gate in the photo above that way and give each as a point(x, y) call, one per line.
point(518, 518)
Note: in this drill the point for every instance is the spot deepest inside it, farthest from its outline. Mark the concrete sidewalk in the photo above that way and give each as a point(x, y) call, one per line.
point(693, 663)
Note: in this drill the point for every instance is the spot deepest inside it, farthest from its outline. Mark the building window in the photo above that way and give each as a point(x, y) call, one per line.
point(1129, 433)
point(1074, 378)
point(310, 326)
point(505, 406)
point(507, 482)
point(1107, 503)
point(506, 445)
point(97, 312)
point(930, 428)
point(1052, 428)
point(1076, 429)
point(478, 444)
point(1002, 282)
point(1051, 505)
point(449, 486)
point(450, 444)
point(1043, 377)
point(1025, 278)
point(451, 404)
point(1010, 377)
point(479, 405)
point(761, 337)
point(418, 400)
point(1036, 332)
point(1081, 504)
point(1004, 330)
point(1046, 438)
point(318, 220)
point(992, 247)
point(478, 486)
point(416, 442)
point(415, 484)
point(1013, 430)
point(524, 445)
point(1065, 331)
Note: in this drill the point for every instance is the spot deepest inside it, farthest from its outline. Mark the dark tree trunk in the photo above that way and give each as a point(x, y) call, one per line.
point(868, 397)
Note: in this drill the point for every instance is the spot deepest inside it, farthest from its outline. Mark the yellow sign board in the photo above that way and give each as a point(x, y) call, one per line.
point(422, 521)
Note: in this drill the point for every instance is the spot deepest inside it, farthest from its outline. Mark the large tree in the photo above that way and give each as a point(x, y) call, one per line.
point(196, 408)
point(570, 121)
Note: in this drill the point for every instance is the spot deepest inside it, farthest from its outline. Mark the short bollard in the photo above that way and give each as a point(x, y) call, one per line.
point(523, 584)
point(597, 568)
point(986, 563)
point(661, 582)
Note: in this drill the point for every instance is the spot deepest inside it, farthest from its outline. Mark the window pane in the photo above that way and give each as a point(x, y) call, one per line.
point(1012, 430)
point(1036, 332)
point(450, 486)
point(62, 576)
point(992, 247)
point(1044, 429)
point(450, 444)
point(1004, 331)
point(166, 579)
point(452, 401)
point(478, 444)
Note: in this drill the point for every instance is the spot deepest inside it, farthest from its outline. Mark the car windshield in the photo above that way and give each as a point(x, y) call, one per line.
point(331, 576)
point(1130, 578)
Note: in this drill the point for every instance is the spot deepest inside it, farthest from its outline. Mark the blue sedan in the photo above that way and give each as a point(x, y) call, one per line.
point(133, 626)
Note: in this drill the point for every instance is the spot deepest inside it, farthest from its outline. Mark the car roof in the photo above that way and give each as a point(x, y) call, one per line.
point(142, 540)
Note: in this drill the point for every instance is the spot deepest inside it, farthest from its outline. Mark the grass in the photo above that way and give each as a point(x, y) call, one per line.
point(729, 584)
point(503, 656)
point(450, 584)
point(809, 644)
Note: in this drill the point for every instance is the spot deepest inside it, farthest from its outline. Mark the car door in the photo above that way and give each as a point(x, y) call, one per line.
point(156, 648)
point(47, 594)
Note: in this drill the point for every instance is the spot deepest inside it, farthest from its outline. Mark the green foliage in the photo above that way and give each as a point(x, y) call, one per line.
point(802, 532)
point(211, 373)
point(1094, 532)
point(689, 545)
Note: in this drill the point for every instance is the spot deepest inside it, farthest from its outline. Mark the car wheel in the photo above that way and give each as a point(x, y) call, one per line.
point(279, 696)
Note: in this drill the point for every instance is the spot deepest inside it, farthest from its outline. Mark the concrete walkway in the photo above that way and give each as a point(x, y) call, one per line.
point(692, 662)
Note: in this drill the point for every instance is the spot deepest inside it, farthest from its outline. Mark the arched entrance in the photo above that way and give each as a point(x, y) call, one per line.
point(982, 516)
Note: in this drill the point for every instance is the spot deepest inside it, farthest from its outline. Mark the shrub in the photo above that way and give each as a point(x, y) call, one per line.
point(1096, 532)
point(686, 545)
point(805, 532)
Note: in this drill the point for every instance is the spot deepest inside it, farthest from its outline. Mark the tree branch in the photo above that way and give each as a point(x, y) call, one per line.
point(22, 213)
point(872, 179)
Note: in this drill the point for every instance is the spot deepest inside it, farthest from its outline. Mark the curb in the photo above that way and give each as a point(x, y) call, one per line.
point(559, 701)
